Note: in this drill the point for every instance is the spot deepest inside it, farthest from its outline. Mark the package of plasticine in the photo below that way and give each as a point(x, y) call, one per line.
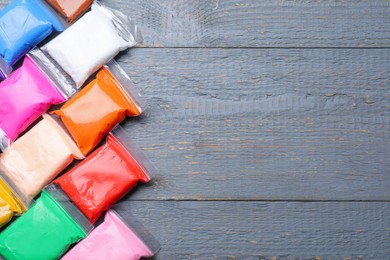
point(106, 175)
point(36, 158)
point(46, 230)
point(93, 40)
point(10, 205)
point(99, 106)
point(6, 212)
point(118, 237)
point(71, 10)
point(27, 93)
point(24, 24)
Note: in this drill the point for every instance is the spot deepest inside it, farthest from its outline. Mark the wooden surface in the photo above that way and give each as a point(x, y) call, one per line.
point(266, 230)
point(264, 124)
point(269, 123)
point(266, 23)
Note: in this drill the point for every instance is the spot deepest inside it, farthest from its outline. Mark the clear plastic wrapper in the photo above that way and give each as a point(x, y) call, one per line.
point(125, 82)
point(116, 238)
point(93, 40)
point(37, 158)
point(5, 69)
point(24, 23)
point(70, 9)
point(53, 72)
point(46, 230)
point(106, 175)
point(99, 106)
point(27, 93)
point(145, 164)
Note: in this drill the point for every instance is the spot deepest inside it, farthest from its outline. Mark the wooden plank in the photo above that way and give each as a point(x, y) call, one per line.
point(274, 124)
point(266, 230)
point(270, 23)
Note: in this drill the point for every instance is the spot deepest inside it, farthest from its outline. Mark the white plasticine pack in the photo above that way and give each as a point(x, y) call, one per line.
point(91, 42)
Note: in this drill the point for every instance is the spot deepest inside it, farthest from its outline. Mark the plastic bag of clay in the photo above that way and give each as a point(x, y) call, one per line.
point(70, 10)
point(27, 93)
point(36, 158)
point(93, 40)
point(100, 106)
point(46, 230)
point(24, 24)
point(106, 175)
point(10, 205)
point(117, 237)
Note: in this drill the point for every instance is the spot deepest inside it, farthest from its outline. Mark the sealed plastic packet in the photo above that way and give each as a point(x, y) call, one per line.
point(70, 9)
point(10, 205)
point(36, 158)
point(93, 40)
point(27, 93)
point(5, 212)
point(24, 24)
point(106, 175)
point(116, 238)
point(99, 106)
point(46, 230)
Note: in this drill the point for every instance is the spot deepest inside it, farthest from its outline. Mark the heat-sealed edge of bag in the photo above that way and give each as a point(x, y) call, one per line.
point(132, 223)
point(5, 69)
point(126, 28)
point(63, 200)
point(54, 72)
point(143, 161)
point(127, 84)
point(5, 141)
point(23, 201)
point(61, 20)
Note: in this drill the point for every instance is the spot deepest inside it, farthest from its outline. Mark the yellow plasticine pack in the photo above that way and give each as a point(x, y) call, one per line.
point(9, 204)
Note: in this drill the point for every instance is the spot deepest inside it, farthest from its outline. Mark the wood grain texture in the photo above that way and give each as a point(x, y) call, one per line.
point(264, 124)
point(270, 23)
point(264, 230)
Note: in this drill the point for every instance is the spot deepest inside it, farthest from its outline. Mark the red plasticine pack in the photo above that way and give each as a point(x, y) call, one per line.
point(106, 175)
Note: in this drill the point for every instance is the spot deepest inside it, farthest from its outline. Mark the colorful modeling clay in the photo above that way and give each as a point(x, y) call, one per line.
point(92, 41)
point(26, 95)
point(46, 230)
point(24, 24)
point(116, 238)
point(70, 9)
point(5, 212)
point(106, 175)
point(9, 203)
point(37, 158)
point(99, 106)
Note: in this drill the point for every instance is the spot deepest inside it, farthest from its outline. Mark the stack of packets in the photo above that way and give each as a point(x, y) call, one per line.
point(56, 72)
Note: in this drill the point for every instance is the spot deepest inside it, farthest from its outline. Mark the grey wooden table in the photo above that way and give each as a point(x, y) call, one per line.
point(269, 123)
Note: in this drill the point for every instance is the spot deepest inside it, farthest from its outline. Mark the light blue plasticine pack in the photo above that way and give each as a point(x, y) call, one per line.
point(24, 24)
